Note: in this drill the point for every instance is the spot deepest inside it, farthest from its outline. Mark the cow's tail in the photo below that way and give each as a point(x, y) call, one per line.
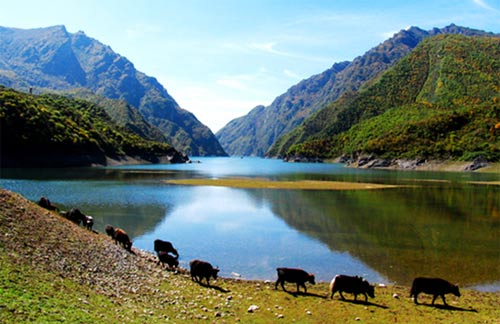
point(332, 284)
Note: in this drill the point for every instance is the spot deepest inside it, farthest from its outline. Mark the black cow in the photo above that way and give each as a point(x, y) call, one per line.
point(45, 203)
point(110, 230)
point(201, 269)
point(75, 215)
point(433, 286)
point(165, 246)
point(88, 222)
point(171, 261)
point(298, 276)
point(353, 285)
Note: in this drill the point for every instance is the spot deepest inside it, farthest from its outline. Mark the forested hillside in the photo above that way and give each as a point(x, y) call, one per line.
point(255, 133)
point(53, 130)
point(441, 101)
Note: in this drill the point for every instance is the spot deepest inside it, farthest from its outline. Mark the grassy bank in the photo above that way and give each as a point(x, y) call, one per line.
point(51, 270)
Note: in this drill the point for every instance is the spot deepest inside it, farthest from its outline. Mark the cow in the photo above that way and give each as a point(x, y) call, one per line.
point(44, 202)
point(164, 246)
point(75, 215)
point(432, 286)
point(353, 285)
point(88, 222)
point(171, 261)
point(201, 269)
point(121, 237)
point(110, 230)
point(298, 276)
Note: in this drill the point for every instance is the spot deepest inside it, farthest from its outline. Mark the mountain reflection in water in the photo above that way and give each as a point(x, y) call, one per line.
point(404, 233)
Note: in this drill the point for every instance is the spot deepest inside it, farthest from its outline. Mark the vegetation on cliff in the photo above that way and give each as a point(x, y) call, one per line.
point(441, 102)
point(53, 130)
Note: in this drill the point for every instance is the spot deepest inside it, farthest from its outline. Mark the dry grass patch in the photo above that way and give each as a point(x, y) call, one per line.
point(258, 183)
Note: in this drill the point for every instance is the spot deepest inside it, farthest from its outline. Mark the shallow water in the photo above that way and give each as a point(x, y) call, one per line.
point(440, 225)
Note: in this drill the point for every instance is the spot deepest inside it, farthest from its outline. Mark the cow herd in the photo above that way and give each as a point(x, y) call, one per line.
point(199, 270)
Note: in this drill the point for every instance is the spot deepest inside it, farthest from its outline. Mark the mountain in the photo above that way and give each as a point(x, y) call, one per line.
point(255, 133)
point(441, 101)
point(48, 59)
point(51, 130)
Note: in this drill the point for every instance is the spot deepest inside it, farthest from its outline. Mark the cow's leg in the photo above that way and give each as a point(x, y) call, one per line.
point(276, 284)
point(444, 301)
point(434, 298)
point(366, 297)
point(341, 296)
point(415, 299)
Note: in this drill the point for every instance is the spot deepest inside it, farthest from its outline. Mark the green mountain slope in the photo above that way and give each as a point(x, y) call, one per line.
point(255, 133)
point(122, 113)
point(441, 101)
point(52, 130)
point(53, 59)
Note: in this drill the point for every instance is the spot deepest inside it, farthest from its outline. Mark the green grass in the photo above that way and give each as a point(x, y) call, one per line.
point(30, 296)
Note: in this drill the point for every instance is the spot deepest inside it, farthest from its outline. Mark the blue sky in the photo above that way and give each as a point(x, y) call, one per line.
point(221, 58)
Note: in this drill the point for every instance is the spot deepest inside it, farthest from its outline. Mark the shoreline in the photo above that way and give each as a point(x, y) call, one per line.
point(416, 165)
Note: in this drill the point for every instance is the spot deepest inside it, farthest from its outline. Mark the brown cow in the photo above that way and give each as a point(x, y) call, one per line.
point(298, 276)
point(120, 236)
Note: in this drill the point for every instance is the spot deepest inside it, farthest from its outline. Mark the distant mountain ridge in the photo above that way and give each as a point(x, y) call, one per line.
point(257, 132)
point(440, 102)
point(53, 59)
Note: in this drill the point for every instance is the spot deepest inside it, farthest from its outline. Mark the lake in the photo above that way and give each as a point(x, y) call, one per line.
point(436, 224)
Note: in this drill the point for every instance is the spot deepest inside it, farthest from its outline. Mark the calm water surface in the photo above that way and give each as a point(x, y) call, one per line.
point(439, 224)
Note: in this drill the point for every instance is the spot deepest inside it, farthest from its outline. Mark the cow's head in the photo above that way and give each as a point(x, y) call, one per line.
point(215, 272)
point(370, 289)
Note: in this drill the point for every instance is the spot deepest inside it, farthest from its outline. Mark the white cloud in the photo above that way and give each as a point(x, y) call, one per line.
point(269, 48)
point(291, 74)
point(483, 4)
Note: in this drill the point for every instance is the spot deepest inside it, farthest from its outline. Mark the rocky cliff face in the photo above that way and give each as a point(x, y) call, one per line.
point(53, 59)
